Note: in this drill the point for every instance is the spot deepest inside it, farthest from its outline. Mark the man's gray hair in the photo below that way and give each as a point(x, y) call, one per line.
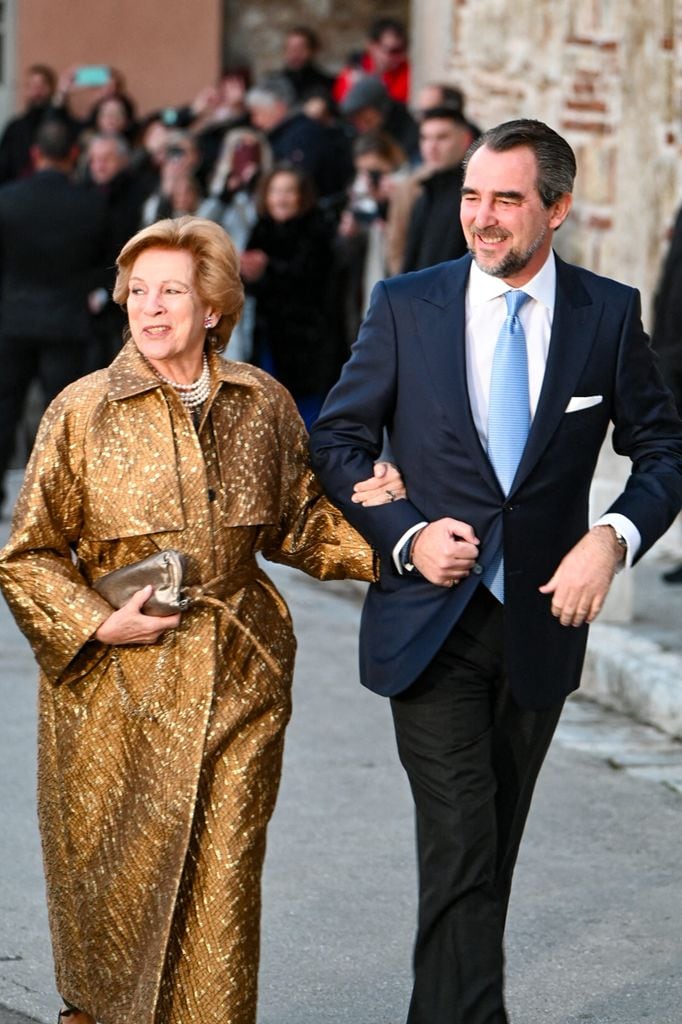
point(122, 144)
point(271, 90)
point(555, 158)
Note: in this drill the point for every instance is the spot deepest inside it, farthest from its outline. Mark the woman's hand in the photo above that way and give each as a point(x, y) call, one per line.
point(129, 624)
point(386, 485)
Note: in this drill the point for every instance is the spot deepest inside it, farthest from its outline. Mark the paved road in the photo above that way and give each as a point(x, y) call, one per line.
point(594, 932)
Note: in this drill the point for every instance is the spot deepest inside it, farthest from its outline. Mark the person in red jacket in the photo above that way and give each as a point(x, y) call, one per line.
point(385, 57)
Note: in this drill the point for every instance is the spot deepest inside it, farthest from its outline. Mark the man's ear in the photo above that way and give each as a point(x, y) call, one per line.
point(560, 210)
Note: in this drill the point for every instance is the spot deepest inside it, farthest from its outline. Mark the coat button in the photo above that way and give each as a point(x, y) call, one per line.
point(477, 569)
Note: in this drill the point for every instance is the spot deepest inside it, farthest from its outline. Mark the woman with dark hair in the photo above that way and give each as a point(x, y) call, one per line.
point(287, 266)
point(161, 730)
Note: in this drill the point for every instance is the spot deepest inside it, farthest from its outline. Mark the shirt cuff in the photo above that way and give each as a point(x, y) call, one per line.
point(402, 542)
point(627, 529)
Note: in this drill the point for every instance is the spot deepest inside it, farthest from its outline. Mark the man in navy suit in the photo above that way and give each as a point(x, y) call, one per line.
point(490, 572)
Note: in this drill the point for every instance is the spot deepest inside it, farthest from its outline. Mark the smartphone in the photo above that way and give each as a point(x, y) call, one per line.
point(246, 154)
point(90, 75)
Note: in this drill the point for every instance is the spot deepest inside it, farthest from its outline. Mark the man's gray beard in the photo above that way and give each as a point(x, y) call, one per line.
point(515, 261)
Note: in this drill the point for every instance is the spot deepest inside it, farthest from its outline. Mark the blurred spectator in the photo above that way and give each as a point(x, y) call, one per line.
point(666, 337)
point(370, 109)
point(439, 94)
point(442, 144)
point(109, 173)
point(231, 202)
point(379, 165)
point(297, 139)
point(71, 89)
point(18, 137)
point(178, 166)
point(53, 236)
point(215, 110)
point(385, 57)
point(115, 115)
point(301, 47)
point(286, 266)
point(148, 158)
point(434, 232)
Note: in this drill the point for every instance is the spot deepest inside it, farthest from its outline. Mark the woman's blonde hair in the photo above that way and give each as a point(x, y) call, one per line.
point(216, 267)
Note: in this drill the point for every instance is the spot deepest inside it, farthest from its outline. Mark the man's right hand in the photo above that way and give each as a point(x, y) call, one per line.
point(445, 551)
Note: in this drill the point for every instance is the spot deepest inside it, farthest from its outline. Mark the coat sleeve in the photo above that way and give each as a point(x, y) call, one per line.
point(311, 535)
point(349, 435)
point(53, 605)
point(648, 430)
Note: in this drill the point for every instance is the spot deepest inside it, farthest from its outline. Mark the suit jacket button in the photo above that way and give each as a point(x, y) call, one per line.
point(477, 569)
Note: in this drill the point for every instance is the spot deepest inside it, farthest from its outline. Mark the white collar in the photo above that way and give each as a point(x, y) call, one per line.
point(542, 287)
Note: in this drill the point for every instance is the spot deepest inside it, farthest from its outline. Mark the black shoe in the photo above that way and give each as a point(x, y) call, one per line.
point(673, 575)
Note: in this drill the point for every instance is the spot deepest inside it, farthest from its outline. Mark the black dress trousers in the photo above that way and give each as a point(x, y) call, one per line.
point(472, 757)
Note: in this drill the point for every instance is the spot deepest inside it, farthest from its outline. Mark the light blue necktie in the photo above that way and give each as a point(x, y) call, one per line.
point(508, 414)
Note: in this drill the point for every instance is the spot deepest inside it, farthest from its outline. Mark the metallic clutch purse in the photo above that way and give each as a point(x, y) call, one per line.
point(164, 570)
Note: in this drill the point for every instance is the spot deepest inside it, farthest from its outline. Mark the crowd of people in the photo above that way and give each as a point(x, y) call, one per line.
point(326, 183)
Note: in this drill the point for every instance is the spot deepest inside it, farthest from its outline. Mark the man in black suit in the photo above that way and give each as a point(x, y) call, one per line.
point(495, 378)
point(53, 236)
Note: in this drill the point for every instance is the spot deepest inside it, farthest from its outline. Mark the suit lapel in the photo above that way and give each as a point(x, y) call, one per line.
point(439, 315)
point(574, 328)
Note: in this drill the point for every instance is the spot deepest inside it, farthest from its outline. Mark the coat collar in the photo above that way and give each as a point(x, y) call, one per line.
point(130, 374)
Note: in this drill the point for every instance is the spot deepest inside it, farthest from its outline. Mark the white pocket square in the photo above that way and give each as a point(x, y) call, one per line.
point(579, 402)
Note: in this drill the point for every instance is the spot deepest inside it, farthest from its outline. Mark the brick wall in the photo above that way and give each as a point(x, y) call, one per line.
point(607, 74)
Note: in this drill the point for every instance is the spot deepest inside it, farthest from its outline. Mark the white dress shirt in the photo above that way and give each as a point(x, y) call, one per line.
point(485, 311)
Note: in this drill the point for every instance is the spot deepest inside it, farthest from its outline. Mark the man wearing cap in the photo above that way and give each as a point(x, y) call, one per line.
point(370, 109)
point(495, 377)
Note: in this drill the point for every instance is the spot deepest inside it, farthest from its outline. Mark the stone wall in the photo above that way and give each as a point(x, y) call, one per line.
point(254, 31)
point(606, 74)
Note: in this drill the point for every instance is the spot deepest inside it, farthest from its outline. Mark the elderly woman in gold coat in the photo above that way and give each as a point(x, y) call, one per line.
point(160, 738)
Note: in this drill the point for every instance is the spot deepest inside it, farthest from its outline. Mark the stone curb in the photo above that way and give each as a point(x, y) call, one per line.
point(635, 676)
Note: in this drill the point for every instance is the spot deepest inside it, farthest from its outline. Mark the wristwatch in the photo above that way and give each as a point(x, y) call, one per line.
point(620, 539)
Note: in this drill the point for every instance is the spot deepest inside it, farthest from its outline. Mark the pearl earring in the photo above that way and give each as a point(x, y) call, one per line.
point(208, 321)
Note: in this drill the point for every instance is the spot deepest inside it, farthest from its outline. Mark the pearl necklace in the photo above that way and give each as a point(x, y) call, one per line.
point(195, 394)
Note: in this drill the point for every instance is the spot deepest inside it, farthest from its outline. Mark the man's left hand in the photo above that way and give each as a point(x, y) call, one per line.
point(386, 485)
point(580, 584)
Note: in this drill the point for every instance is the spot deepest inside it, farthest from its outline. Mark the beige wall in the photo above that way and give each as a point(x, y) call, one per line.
point(606, 74)
point(167, 50)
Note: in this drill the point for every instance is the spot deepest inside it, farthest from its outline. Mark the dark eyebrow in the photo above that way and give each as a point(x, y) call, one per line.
point(467, 191)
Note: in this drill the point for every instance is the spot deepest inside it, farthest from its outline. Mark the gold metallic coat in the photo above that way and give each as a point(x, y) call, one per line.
point(159, 765)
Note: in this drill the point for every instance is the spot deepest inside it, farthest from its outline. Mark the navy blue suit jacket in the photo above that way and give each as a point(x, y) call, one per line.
point(407, 374)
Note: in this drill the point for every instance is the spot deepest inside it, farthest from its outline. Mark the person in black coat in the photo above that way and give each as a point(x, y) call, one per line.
point(434, 232)
point(301, 47)
point(53, 237)
point(19, 134)
point(297, 139)
point(666, 337)
point(286, 265)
